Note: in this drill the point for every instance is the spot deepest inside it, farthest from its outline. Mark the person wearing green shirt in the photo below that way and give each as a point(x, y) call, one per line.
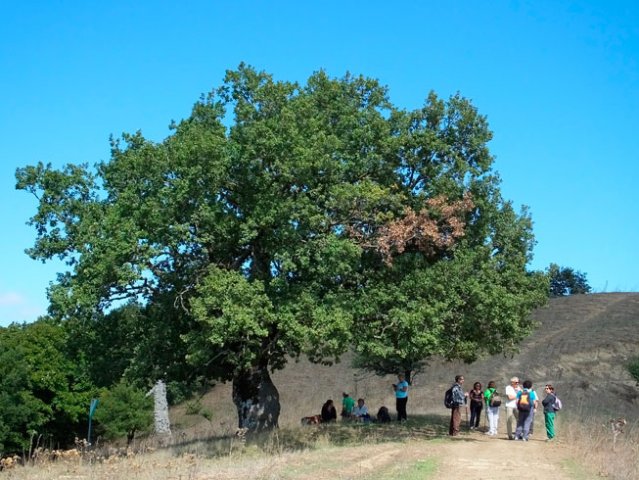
point(347, 405)
point(492, 408)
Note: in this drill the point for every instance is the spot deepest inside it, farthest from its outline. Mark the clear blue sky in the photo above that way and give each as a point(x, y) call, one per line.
point(558, 81)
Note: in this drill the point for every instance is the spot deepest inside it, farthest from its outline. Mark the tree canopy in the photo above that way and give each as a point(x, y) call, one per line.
point(566, 281)
point(282, 219)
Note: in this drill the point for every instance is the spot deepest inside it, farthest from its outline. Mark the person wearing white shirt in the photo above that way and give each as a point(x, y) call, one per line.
point(511, 407)
point(360, 412)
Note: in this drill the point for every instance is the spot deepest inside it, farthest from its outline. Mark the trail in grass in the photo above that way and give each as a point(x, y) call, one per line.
point(480, 457)
point(473, 456)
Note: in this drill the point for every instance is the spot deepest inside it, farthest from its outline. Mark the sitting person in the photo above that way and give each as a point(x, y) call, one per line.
point(360, 412)
point(329, 412)
point(347, 406)
point(383, 415)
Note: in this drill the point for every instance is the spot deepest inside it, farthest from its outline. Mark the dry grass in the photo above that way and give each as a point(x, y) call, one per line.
point(352, 450)
point(592, 444)
point(581, 347)
point(301, 452)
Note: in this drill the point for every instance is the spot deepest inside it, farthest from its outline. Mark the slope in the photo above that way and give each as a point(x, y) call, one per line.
point(582, 345)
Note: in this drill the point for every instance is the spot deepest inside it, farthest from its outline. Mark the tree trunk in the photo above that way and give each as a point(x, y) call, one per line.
point(408, 376)
point(256, 399)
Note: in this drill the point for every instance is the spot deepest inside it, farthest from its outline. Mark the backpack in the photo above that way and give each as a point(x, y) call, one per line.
point(523, 402)
point(494, 400)
point(557, 405)
point(448, 398)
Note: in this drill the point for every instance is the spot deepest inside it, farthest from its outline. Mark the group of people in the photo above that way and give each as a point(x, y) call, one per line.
point(350, 410)
point(521, 403)
point(359, 411)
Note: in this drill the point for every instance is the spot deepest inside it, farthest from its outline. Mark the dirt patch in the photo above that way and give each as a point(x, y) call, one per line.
point(473, 456)
point(480, 457)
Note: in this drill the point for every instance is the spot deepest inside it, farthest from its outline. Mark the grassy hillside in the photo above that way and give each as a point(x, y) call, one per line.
point(582, 346)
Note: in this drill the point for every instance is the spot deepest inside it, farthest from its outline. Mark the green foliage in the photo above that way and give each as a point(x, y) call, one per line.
point(320, 208)
point(17, 415)
point(41, 390)
point(207, 413)
point(123, 411)
point(107, 344)
point(566, 281)
point(633, 368)
point(193, 407)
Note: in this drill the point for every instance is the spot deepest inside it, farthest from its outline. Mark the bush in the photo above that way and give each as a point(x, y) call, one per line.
point(124, 410)
point(193, 407)
point(208, 414)
point(633, 368)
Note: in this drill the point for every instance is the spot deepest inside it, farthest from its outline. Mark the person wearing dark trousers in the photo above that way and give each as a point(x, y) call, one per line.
point(401, 397)
point(476, 405)
point(526, 405)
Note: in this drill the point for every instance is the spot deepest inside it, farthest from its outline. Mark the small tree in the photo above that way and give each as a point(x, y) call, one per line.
point(124, 410)
point(633, 368)
point(566, 281)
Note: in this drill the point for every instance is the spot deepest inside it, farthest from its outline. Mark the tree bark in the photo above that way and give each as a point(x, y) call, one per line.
point(408, 376)
point(256, 399)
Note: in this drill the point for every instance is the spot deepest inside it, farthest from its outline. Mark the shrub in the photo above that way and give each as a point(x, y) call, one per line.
point(208, 414)
point(124, 410)
point(193, 407)
point(633, 368)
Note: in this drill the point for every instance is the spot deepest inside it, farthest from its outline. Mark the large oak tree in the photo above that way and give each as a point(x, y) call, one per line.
point(282, 219)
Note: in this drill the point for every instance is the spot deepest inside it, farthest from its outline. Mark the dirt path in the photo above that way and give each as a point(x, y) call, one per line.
point(473, 456)
point(479, 457)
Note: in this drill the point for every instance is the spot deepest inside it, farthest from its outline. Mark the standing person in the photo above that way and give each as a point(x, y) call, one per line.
point(511, 407)
point(401, 397)
point(476, 397)
point(459, 398)
point(492, 408)
point(526, 406)
point(549, 410)
point(347, 405)
point(532, 421)
point(329, 413)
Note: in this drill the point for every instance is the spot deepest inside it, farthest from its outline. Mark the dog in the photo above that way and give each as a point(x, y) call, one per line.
point(312, 420)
